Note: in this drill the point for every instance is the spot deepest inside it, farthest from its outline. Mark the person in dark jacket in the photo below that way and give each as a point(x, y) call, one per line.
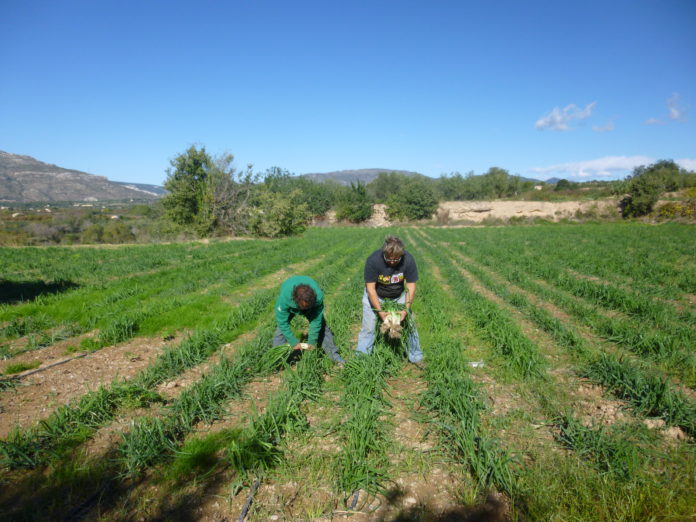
point(302, 295)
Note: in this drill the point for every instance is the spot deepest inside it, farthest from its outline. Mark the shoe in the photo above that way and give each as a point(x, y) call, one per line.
point(339, 361)
point(419, 364)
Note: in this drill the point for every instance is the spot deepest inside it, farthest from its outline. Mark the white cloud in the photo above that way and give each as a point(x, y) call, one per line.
point(609, 166)
point(654, 121)
point(687, 163)
point(604, 128)
point(559, 119)
point(676, 111)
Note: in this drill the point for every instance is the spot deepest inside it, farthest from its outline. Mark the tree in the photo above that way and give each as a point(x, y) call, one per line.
point(384, 185)
point(319, 197)
point(562, 184)
point(186, 185)
point(644, 191)
point(645, 185)
point(355, 205)
point(413, 199)
point(277, 215)
point(227, 197)
point(208, 193)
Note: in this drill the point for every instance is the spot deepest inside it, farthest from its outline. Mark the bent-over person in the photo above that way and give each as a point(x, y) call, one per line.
point(301, 295)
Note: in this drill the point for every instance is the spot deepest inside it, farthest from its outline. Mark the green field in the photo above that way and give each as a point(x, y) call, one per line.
point(559, 381)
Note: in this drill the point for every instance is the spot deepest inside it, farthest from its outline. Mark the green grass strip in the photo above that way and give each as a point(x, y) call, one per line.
point(497, 326)
point(609, 453)
point(647, 393)
point(453, 397)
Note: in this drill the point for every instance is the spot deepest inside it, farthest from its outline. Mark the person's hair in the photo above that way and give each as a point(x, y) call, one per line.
point(304, 293)
point(393, 247)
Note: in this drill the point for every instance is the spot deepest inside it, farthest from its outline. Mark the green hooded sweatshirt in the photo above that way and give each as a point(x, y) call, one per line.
point(286, 307)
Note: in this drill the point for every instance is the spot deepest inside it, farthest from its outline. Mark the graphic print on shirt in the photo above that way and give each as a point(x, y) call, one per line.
point(393, 279)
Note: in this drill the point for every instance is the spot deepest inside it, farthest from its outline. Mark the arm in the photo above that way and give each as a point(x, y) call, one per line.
point(410, 295)
point(282, 320)
point(315, 318)
point(374, 300)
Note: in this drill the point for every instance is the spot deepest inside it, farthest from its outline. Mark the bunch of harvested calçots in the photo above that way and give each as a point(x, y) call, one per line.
point(391, 326)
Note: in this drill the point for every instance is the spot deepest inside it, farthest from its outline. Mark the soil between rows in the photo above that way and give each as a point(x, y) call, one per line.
point(40, 394)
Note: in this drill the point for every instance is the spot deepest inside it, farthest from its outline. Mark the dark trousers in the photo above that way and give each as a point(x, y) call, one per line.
point(326, 340)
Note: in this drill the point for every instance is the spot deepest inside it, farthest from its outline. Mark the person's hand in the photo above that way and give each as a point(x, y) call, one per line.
point(403, 314)
point(298, 346)
point(382, 315)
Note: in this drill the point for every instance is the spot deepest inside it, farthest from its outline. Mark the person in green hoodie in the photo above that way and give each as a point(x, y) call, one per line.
point(302, 295)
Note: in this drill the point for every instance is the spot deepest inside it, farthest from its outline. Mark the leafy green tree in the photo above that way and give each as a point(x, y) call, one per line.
point(454, 187)
point(277, 215)
point(208, 194)
point(496, 183)
point(385, 184)
point(186, 182)
point(318, 197)
point(562, 184)
point(645, 185)
point(414, 199)
point(355, 205)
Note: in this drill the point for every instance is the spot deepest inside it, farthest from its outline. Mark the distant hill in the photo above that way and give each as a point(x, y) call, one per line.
point(24, 179)
point(155, 190)
point(346, 177)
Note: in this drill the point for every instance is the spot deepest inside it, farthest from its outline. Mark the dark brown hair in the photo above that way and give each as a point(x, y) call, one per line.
point(305, 294)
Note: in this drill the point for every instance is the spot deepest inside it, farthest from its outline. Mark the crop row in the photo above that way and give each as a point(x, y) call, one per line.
point(659, 315)
point(95, 306)
point(94, 265)
point(256, 448)
point(452, 396)
point(652, 259)
point(671, 351)
point(648, 393)
point(546, 391)
point(33, 447)
point(152, 308)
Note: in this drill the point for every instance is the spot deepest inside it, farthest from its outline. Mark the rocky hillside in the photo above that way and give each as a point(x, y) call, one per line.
point(24, 179)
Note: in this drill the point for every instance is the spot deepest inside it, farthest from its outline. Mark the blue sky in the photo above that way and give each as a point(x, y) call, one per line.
point(581, 90)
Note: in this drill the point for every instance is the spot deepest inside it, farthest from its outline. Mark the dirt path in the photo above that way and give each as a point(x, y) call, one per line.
point(40, 394)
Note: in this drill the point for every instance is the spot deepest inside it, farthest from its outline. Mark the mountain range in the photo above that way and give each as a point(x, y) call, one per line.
point(346, 177)
point(24, 179)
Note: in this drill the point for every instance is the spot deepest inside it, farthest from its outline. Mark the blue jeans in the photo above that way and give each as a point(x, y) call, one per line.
point(366, 339)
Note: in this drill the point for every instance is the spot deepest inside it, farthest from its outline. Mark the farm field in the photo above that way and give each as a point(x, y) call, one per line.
point(559, 380)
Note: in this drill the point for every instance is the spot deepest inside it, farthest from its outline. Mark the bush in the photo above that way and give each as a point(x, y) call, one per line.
point(355, 206)
point(117, 232)
point(92, 234)
point(412, 200)
point(679, 209)
point(647, 183)
point(644, 193)
point(277, 215)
